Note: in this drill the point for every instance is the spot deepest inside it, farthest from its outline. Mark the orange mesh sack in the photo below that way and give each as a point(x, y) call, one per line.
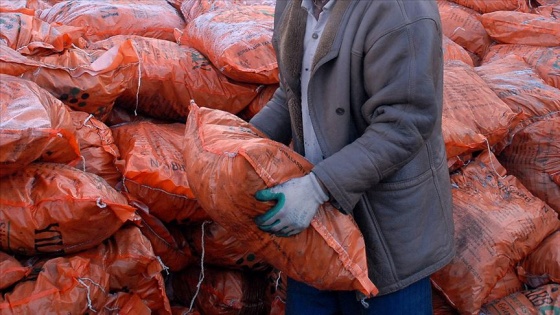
point(121, 115)
point(127, 303)
point(128, 257)
point(63, 285)
point(154, 171)
point(105, 18)
point(520, 86)
point(229, 162)
point(32, 36)
point(547, 2)
point(69, 285)
point(278, 306)
point(33, 126)
point(498, 222)
point(543, 264)
point(454, 51)
point(172, 249)
point(238, 41)
point(219, 247)
point(88, 81)
point(543, 300)
point(170, 75)
point(543, 59)
point(223, 291)
point(533, 156)
point(512, 27)
point(97, 146)
point(28, 7)
point(176, 4)
point(12, 270)
point(485, 6)
point(193, 8)
point(549, 10)
point(474, 117)
point(277, 292)
point(440, 306)
point(508, 284)
point(184, 310)
point(50, 208)
point(265, 94)
point(14, 63)
point(462, 25)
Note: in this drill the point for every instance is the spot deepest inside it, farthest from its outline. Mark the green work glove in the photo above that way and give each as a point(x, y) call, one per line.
point(297, 202)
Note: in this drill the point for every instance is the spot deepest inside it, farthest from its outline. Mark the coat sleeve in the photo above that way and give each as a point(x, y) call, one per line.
point(403, 78)
point(274, 119)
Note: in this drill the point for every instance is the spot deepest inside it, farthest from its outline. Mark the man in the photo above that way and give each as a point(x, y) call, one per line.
point(360, 96)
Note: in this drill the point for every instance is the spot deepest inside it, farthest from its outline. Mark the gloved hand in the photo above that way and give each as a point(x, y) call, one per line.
point(297, 202)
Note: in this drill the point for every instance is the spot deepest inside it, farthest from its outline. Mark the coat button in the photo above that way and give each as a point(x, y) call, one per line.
point(315, 36)
point(340, 111)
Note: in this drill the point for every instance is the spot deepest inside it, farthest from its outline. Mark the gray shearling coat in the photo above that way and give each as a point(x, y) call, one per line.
point(375, 99)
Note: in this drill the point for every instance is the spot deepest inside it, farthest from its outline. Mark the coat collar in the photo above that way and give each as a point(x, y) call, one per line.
point(290, 40)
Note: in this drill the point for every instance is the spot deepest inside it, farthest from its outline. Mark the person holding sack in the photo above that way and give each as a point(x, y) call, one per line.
point(360, 96)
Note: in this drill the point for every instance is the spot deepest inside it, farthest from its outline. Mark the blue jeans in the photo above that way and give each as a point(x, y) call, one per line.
point(302, 299)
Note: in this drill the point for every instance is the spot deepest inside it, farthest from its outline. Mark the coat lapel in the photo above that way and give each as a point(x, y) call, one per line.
point(330, 44)
point(290, 50)
point(290, 36)
point(291, 31)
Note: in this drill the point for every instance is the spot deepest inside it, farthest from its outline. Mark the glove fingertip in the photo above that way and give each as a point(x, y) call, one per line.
point(262, 218)
point(285, 232)
point(259, 220)
point(264, 195)
point(268, 227)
